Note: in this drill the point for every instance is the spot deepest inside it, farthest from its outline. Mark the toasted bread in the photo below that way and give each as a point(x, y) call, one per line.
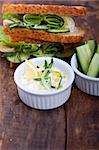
point(27, 40)
point(43, 9)
point(70, 37)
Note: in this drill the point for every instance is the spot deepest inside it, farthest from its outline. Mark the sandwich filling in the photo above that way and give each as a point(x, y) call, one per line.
point(17, 52)
point(49, 22)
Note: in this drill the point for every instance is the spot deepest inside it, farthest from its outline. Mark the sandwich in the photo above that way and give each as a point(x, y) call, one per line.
point(17, 52)
point(51, 23)
point(39, 30)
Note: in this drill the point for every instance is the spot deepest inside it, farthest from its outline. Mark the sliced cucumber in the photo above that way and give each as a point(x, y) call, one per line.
point(32, 19)
point(84, 56)
point(54, 20)
point(17, 58)
point(92, 45)
point(98, 49)
point(93, 70)
point(59, 30)
point(40, 27)
point(45, 84)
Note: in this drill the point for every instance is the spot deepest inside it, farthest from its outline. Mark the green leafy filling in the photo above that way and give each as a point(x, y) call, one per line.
point(26, 50)
point(38, 22)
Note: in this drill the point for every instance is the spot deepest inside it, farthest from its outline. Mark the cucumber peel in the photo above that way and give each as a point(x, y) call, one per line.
point(94, 66)
point(92, 45)
point(98, 49)
point(32, 19)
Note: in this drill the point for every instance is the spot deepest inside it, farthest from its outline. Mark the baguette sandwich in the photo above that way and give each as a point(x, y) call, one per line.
point(49, 23)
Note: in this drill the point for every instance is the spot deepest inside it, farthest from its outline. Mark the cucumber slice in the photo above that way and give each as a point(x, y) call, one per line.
point(58, 30)
point(17, 58)
point(92, 45)
point(40, 27)
point(54, 20)
point(45, 84)
point(93, 70)
point(84, 56)
point(98, 49)
point(32, 19)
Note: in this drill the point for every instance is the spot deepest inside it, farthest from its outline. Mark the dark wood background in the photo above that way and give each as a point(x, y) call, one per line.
point(73, 126)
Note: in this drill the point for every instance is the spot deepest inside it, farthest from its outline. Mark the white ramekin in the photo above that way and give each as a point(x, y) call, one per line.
point(85, 83)
point(46, 100)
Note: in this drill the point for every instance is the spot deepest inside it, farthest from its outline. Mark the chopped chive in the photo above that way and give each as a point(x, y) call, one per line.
point(45, 65)
point(51, 63)
point(37, 79)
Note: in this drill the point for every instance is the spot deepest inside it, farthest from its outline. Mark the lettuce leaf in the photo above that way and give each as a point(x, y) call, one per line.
point(9, 16)
point(2, 35)
point(5, 39)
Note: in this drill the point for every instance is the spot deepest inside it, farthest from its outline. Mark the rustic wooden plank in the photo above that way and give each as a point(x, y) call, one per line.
point(82, 121)
point(83, 110)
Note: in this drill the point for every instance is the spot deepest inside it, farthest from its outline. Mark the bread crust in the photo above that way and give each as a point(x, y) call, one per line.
point(45, 36)
point(43, 9)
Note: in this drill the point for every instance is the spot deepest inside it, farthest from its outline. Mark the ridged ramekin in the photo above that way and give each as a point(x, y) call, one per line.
point(48, 100)
point(85, 83)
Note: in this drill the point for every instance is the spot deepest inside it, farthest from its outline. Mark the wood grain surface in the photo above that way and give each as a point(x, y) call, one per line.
point(73, 126)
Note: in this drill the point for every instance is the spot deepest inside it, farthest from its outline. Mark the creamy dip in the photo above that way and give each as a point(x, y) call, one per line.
point(45, 78)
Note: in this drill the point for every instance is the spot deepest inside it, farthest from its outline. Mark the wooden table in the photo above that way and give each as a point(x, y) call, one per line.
point(73, 126)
